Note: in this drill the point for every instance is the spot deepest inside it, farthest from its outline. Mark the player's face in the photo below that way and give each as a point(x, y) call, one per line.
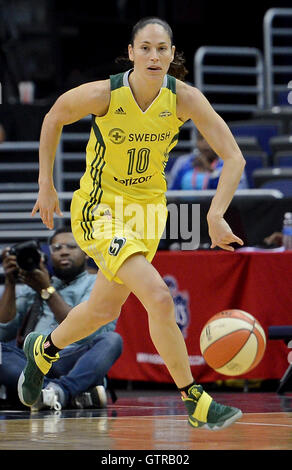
point(152, 51)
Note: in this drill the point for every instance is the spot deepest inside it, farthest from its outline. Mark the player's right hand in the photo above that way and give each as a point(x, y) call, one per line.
point(47, 204)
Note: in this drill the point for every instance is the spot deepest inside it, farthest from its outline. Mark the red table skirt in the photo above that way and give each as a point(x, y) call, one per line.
point(204, 283)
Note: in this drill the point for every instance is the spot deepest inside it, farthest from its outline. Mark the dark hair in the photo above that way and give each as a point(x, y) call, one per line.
point(151, 20)
point(176, 68)
point(64, 229)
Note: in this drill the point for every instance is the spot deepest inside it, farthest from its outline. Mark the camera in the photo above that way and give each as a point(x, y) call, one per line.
point(27, 254)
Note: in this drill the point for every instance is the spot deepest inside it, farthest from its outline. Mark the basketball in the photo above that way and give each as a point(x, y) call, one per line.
point(232, 342)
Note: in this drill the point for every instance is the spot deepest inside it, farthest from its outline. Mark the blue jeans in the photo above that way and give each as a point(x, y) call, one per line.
point(79, 367)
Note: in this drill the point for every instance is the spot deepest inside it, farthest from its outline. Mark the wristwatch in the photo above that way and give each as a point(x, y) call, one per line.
point(46, 293)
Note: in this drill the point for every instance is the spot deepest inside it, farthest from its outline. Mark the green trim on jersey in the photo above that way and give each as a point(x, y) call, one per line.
point(116, 80)
point(97, 191)
point(171, 83)
point(175, 137)
point(97, 132)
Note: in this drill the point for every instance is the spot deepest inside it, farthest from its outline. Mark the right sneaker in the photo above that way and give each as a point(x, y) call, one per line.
point(95, 397)
point(48, 399)
point(30, 382)
point(206, 413)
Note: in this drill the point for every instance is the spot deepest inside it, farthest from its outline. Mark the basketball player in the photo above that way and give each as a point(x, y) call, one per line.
point(136, 119)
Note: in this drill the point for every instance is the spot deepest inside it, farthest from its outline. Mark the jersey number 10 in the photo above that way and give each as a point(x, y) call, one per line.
point(139, 159)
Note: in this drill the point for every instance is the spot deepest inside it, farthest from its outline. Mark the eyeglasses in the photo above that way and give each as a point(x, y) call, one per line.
point(55, 247)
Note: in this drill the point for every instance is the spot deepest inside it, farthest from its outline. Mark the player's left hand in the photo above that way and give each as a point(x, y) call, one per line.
point(221, 234)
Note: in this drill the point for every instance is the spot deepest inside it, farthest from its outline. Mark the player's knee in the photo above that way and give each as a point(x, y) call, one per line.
point(161, 304)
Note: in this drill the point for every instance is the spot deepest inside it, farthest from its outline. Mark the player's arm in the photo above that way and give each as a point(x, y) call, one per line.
point(90, 98)
point(192, 104)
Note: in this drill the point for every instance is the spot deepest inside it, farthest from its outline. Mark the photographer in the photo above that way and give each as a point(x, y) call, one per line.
point(43, 302)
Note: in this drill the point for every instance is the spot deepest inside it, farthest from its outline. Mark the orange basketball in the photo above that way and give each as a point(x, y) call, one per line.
point(233, 342)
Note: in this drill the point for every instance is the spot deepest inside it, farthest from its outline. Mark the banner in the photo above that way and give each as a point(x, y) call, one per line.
point(203, 283)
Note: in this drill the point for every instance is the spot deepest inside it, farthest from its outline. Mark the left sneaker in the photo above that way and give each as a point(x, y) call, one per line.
point(206, 413)
point(30, 382)
point(95, 397)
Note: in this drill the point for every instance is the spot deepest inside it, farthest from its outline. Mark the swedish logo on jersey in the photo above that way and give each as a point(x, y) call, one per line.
point(181, 304)
point(116, 244)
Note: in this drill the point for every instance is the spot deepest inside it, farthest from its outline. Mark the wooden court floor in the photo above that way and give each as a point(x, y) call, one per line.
point(151, 421)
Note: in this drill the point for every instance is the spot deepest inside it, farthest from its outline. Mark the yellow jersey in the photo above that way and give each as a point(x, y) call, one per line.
point(128, 148)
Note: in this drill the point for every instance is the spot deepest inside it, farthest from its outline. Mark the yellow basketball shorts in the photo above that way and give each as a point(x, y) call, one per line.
point(111, 232)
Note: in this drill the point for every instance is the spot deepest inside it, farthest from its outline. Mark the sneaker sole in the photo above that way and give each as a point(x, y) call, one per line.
point(19, 389)
point(218, 426)
point(102, 396)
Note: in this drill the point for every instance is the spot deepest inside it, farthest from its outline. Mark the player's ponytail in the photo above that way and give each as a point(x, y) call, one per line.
point(177, 68)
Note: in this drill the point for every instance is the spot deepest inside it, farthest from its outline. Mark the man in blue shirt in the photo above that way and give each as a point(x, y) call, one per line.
point(40, 304)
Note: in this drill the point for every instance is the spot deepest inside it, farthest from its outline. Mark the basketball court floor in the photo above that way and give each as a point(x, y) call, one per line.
point(151, 420)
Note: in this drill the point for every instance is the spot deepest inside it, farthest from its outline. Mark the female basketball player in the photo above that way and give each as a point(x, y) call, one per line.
point(136, 120)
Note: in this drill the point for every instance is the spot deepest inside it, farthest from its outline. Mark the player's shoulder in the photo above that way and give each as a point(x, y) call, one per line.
point(99, 89)
point(99, 93)
point(186, 91)
point(187, 96)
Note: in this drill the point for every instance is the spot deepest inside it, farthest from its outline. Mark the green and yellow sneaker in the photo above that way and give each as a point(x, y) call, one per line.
point(206, 413)
point(30, 382)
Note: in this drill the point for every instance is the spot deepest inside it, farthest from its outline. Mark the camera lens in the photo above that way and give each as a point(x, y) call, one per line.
point(28, 259)
point(27, 255)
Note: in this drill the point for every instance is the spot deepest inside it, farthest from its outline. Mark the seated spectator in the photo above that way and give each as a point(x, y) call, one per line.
point(200, 169)
point(78, 379)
